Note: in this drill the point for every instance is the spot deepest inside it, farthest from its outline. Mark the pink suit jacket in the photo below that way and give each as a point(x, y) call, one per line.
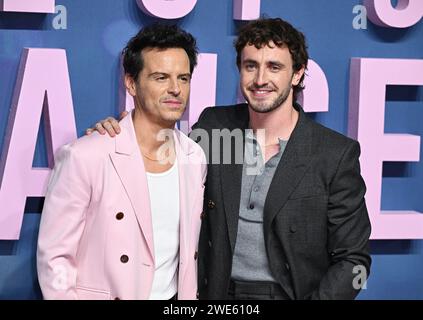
point(96, 237)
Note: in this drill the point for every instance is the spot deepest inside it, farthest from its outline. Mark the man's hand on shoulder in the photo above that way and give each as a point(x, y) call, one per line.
point(109, 125)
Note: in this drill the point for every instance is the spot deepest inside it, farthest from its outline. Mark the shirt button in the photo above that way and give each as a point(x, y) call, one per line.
point(119, 216)
point(117, 298)
point(202, 215)
point(195, 255)
point(256, 189)
point(124, 258)
point(251, 206)
point(211, 204)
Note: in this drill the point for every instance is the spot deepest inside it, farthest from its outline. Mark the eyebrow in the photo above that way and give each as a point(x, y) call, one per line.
point(185, 75)
point(158, 74)
point(276, 63)
point(271, 62)
point(166, 74)
point(249, 61)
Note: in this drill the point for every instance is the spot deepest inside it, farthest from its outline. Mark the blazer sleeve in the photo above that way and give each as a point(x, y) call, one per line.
point(62, 224)
point(348, 231)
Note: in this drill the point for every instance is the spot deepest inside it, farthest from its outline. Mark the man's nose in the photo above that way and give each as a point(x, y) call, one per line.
point(174, 87)
point(261, 77)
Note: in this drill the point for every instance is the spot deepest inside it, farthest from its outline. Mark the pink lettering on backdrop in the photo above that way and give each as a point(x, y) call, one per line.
point(406, 14)
point(43, 85)
point(203, 89)
point(35, 6)
point(174, 9)
point(315, 96)
point(369, 78)
point(167, 9)
point(246, 9)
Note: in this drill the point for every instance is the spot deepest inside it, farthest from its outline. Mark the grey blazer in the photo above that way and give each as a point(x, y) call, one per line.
point(316, 225)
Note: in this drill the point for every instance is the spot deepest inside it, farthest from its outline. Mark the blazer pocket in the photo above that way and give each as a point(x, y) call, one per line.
point(306, 223)
point(310, 186)
point(85, 293)
point(301, 195)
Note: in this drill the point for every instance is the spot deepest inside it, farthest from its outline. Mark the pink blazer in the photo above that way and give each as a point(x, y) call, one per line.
point(96, 238)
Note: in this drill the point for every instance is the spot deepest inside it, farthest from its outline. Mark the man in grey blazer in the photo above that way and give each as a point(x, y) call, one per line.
point(284, 214)
point(298, 227)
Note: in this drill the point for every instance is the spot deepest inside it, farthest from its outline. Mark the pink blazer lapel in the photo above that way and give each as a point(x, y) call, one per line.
point(129, 166)
point(186, 199)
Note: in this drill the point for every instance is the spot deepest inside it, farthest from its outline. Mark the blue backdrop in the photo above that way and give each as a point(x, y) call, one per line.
point(98, 29)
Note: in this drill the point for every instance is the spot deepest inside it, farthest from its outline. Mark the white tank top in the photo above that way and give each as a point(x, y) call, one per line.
point(164, 201)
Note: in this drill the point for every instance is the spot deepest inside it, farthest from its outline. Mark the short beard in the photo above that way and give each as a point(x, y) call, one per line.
point(263, 108)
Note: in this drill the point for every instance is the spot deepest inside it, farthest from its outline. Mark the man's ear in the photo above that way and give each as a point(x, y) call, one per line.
point(130, 85)
point(297, 76)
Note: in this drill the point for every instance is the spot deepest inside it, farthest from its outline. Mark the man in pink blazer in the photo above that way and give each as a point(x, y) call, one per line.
point(121, 217)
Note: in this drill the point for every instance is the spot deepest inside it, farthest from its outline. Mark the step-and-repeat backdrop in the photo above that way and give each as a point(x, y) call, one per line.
point(60, 72)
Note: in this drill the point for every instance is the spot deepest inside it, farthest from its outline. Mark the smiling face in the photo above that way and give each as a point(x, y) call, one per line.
point(162, 89)
point(267, 77)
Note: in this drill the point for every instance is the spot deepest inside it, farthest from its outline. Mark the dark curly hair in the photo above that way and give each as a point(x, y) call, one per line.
point(262, 31)
point(159, 36)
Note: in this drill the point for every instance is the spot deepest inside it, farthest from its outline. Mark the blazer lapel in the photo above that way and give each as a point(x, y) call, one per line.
point(185, 198)
point(231, 177)
point(231, 192)
point(296, 159)
point(129, 166)
point(291, 169)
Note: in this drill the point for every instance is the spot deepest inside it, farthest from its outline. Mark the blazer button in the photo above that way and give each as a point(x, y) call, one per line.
point(210, 244)
point(292, 228)
point(211, 204)
point(119, 216)
point(195, 255)
point(205, 281)
point(124, 258)
point(287, 266)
